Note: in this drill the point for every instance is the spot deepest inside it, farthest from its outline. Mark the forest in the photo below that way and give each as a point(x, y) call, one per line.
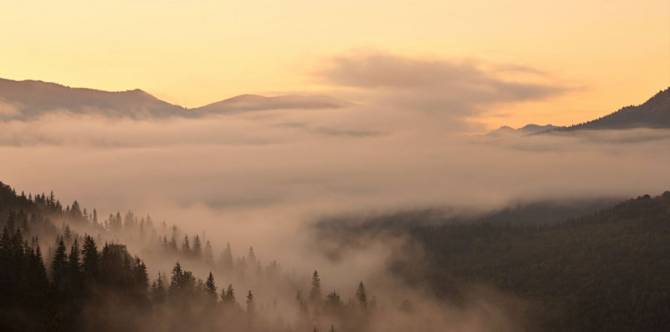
point(603, 268)
point(86, 280)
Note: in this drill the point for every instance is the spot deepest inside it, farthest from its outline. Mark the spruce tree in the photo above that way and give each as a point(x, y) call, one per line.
point(251, 307)
point(210, 287)
point(229, 297)
point(208, 256)
point(315, 291)
point(59, 266)
point(227, 258)
point(158, 290)
point(197, 247)
point(186, 247)
point(176, 279)
point(140, 279)
point(74, 268)
point(91, 260)
point(362, 296)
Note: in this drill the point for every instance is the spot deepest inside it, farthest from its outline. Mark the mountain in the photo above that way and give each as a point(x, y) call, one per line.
point(603, 267)
point(244, 103)
point(35, 98)
point(30, 99)
point(654, 113)
point(529, 129)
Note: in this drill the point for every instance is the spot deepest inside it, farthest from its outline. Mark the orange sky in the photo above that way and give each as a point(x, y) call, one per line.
point(612, 53)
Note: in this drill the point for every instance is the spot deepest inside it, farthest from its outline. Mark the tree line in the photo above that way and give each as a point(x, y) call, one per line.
point(83, 283)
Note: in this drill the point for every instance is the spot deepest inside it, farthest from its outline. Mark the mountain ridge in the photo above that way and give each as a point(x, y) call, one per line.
point(653, 113)
point(28, 99)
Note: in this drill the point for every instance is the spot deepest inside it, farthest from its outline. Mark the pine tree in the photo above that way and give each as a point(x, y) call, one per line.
point(361, 296)
point(208, 256)
point(91, 260)
point(186, 247)
point(75, 211)
point(251, 257)
point(197, 247)
point(74, 268)
point(251, 307)
point(158, 290)
point(227, 258)
point(315, 291)
point(210, 287)
point(229, 296)
point(333, 302)
point(140, 279)
point(59, 266)
point(177, 276)
point(39, 271)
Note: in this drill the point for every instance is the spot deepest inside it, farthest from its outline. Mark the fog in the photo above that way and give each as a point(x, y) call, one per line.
point(262, 179)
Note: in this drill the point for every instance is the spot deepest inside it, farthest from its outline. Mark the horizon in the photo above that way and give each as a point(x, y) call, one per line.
point(230, 98)
point(602, 46)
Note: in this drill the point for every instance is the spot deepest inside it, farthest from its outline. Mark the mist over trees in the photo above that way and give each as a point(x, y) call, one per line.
point(606, 270)
point(66, 268)
point(89, 282)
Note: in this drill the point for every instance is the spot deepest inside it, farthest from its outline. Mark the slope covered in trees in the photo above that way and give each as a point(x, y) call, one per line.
point(64, 268)
point(86, 281)
point(603, 271)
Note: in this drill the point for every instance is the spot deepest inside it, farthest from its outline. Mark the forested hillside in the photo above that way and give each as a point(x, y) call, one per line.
point(64, 268)
point(87, 281)
point(604, 271)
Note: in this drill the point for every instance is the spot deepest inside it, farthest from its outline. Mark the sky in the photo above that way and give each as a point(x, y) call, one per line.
point(600, 55)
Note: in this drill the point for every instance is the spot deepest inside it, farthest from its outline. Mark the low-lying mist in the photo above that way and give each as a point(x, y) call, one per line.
point(263, 179)
point(253, 179)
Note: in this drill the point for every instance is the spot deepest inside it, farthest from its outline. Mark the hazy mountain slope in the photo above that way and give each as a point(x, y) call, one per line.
point(654, 113)
point(30, 99)
point(604, 271)
point(260, 103)
point(528, 129)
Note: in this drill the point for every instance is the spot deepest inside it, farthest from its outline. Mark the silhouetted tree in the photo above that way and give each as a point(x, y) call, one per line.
point(208, 255)
point(229, 296)
point(197, 247)
point(362, 296)
point(59, 266)
point(315, 291)
point(210, 288)
point(91, 260)
point(74, 284)
point(186, 247)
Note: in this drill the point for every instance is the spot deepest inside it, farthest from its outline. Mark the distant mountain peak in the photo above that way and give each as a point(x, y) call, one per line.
point(529, 129)
point(252, 102)
point(653, 113)
point(34, 98)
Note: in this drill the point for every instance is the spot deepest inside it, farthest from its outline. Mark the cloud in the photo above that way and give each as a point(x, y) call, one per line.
point(455, 89)
point(8, 110)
